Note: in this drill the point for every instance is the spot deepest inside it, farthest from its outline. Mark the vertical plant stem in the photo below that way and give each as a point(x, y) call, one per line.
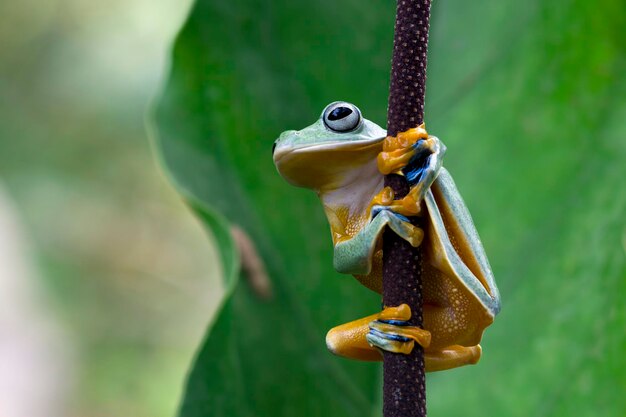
point(404, 380)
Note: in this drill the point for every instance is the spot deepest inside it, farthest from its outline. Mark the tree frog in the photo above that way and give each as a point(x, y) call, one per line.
point(343, 158)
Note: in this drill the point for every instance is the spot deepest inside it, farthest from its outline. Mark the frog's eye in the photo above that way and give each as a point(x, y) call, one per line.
point(341, 116)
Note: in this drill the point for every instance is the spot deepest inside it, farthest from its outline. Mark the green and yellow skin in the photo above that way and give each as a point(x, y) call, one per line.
point(343, 158)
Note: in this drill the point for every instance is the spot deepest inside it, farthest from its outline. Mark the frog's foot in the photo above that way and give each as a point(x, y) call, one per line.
point(383, 198)
point(452, 357)
point(400, 224)
point(407, 206)
point(399, 150)
point(410, 205)
point(410, 154)
point(391, 332)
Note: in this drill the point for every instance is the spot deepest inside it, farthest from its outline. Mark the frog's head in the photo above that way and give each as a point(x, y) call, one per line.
point(323, 154)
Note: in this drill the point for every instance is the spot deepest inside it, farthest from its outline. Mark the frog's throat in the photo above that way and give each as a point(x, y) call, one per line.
point(347, 201)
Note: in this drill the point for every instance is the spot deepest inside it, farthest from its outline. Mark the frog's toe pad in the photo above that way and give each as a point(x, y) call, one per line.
point(396, 336)
point(415, 236)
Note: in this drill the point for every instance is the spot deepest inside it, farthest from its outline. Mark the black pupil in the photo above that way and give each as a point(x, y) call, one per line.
point(339, 113)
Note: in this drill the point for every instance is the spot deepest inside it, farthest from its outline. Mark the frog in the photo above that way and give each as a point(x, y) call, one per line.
point(343, 158)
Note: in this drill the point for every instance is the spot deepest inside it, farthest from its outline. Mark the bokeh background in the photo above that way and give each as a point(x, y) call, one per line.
point(107, 280)
point(528, 98)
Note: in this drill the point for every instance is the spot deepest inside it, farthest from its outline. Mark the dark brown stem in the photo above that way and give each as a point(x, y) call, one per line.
point(404, 380)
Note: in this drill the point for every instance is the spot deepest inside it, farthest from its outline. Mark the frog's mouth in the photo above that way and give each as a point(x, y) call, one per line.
point(283, 152)
point(325, 164)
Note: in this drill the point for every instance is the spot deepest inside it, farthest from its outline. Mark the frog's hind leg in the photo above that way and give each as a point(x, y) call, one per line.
point(364, 338)
point(452, 357)
point(391, 331)
point(348, 340)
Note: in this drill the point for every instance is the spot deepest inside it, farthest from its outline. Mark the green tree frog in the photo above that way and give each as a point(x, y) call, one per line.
point(343, 158)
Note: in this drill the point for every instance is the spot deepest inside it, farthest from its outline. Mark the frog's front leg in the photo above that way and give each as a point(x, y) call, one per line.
point(353, 255)
point(362, 339)
point(417, 156)
point(421, 174)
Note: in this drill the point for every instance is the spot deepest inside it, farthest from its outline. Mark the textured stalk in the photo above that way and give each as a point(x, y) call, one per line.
point(404, 381)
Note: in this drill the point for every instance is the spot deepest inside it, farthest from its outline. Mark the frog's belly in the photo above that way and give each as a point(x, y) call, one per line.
point(452, 314)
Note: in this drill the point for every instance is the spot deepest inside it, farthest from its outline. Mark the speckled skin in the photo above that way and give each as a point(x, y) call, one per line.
point(460, 295)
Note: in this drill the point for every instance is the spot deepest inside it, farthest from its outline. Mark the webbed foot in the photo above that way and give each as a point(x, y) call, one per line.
point(391, 332)
point(408, 206)
point(415, 155)
point(400, 149)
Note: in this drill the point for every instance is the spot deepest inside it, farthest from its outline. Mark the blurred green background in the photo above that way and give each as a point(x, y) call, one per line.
point(528, 97)
point(120, 265)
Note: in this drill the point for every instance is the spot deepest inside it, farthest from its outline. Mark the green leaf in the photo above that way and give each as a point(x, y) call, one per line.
point(527, 97)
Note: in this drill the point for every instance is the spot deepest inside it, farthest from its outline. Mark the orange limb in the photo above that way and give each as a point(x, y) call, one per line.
point(396, 154)
point(349, 340)
point(398, 150)
point(452, 357)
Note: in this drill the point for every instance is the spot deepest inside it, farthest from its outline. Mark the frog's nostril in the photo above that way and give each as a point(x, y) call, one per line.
point(273, 148)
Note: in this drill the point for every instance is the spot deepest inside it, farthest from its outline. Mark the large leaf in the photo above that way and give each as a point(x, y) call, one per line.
point(528, 98)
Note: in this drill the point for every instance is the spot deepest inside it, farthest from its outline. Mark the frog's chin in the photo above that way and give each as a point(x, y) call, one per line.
point(325, 165)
